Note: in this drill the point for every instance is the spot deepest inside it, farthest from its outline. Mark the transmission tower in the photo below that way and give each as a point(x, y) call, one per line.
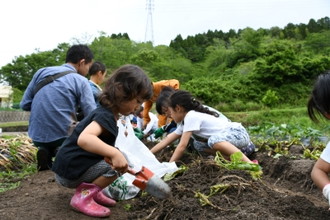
point(149, 35)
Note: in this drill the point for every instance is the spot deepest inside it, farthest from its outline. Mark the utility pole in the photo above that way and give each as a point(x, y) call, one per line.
point(149, 35)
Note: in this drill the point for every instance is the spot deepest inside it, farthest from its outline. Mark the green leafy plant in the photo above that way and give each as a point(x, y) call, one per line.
point(312, 154)
point(11, 179)
point(127, 207)
point(236, 163)
point(270, 98)
point(170, 176)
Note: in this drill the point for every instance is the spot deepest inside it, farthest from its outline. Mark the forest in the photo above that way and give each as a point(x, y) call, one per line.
point(238, 70)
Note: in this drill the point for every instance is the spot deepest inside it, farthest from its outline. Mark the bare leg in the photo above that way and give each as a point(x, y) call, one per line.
point(227, 149)
point(103, 182)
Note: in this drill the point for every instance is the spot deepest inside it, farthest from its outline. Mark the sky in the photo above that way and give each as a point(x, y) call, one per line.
point(28, 26)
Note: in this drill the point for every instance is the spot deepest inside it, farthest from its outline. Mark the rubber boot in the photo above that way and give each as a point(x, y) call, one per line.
point(255, 161)
point(102, 199)
point(83, 201)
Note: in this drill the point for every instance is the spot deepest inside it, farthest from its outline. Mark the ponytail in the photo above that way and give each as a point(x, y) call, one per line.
point(188, 102)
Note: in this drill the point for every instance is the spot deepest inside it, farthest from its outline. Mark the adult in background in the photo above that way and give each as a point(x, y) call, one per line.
point(157, 88)
point(54, 104)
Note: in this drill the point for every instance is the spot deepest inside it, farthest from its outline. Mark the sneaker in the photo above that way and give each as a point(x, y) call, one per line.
point(42, 158)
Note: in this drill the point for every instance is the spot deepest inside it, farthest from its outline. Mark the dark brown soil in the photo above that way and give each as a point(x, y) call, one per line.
point(285, 191)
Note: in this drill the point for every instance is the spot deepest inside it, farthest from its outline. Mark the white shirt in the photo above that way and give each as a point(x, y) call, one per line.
point(202, 124)
point(325, 155)
point(152, 125)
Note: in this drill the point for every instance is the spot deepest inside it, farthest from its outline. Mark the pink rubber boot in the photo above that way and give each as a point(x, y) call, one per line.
point(83, 201)
point(102, 199)
point(255, 161)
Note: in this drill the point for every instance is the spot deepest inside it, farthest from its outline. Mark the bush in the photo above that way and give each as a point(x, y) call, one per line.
point(270, 98)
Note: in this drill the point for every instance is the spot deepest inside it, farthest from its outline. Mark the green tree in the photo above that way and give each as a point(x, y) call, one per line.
point(302, 31)
point(275, 32)
point(120, 36)
point(177, 44)
point(247, 46)
point(279, 64)
point(171, 64)
point(319, 42)
point(17, 97)
point(313, 65)
point(217, 57)
point(324, 23)
point(289, 31)
point(19, 73)
point(113, 52)
point(313, 26)
point(145, 57)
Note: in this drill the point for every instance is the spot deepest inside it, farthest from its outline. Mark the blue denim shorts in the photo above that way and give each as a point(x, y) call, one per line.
point(236, 135)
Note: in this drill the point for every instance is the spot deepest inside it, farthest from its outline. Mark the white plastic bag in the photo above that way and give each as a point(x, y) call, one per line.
point(138, 155)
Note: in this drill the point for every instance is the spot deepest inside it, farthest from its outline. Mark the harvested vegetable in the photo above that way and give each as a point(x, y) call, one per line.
point(235, 162)
point(170, 176)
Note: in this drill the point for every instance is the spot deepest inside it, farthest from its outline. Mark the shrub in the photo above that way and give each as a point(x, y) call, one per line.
point(270, 98)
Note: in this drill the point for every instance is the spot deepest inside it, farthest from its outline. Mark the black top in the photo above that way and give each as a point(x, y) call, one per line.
point(71, 160)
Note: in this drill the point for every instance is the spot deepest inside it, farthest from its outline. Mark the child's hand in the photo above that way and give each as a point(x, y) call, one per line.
point(118, 162)
point(159, 132)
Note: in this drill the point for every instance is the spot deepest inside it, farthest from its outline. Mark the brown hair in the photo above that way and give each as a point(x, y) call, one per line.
point(125, 83)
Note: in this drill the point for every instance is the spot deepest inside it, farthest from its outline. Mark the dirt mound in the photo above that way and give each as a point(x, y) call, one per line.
point(284, 192)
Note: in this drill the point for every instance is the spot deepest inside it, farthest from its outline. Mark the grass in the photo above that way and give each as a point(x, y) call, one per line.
point(276, 116)
point(12, 179)
point(13, 124)
point(292, 116)
point(250, 118)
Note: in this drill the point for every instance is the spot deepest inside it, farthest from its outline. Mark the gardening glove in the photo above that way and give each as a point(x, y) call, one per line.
point(326, 192)
point(138, 133)
point(159, 132)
